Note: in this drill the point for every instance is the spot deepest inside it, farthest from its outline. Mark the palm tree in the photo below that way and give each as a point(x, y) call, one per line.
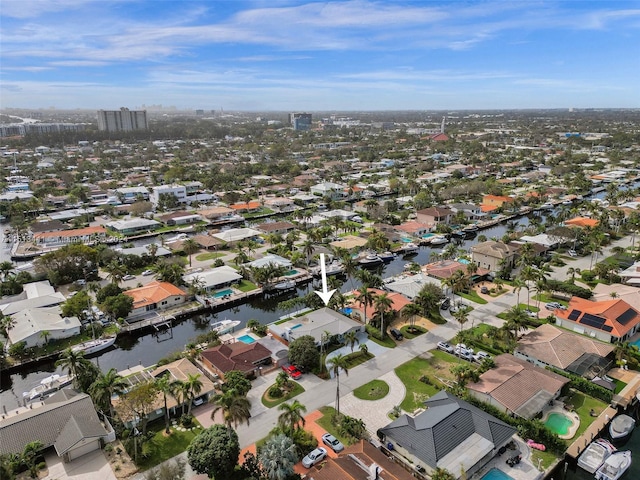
point(6, 324)
point(236, 409)
point(383, 304)
point(106, 386)
point(193, 387)
point(190, 246)
point(351, 338)
point(45, 334)
point(461, 315)
point(291, 417)
point(163, 384)
point(364, 349)
point(71, 361)
point(115, 272)
point(278, 457)
point(336, 363)
point(6, 268)
point(366, 298)
point(410, 311)
point(517, 287)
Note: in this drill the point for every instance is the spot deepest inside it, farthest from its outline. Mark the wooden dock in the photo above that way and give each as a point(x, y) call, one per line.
point(158, 322)
point(591, 433)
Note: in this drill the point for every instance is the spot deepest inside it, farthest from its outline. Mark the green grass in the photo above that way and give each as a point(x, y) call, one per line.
point(163, 448)
point(473, 296)
point(203, 257)
point(619, 385)
point(296, 390)
point(547, 457)
point(583, 405)
point(374, 390)
point(246, 286)
point(326, 422)
point(417, 391)
point(356, 358)
point(405, 331)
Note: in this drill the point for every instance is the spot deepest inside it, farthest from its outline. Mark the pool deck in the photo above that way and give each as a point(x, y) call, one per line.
point(578, 446)
point(525, 470)
point(573, 416)
point(627, 394)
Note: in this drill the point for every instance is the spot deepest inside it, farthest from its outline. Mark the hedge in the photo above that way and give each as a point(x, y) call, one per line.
point(585, 386)
point(568, 287)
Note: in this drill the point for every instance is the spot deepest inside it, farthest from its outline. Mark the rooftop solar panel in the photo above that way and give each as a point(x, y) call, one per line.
point(627, 316)
point(607, 328)
point(574, 314)
point(592, 321)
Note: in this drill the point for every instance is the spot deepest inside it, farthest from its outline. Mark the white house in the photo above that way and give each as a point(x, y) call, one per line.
point(32, 322)
point(333, 190)
point(215, 278)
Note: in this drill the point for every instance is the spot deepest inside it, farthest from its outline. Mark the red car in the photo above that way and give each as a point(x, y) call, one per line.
point(292, 370)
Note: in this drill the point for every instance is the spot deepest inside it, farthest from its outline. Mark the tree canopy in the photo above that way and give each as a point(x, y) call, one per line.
point(214, 452)
point(304, 353)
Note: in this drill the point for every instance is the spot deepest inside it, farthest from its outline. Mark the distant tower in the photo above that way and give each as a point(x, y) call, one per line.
point(442, 125)
point(300, 121)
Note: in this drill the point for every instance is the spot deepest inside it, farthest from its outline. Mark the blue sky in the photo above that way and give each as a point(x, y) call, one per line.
point(329, 55)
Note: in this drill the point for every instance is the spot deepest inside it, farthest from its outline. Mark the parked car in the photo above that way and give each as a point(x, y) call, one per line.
point(128, 277)
point(446, 303)
point(146, 273)
point(314, 457)
point(332, 442)
point(480, 356)
point(292, 370)
point(530, 313)
point(572, 253)
point(198, 401)
point(445, 347)
point(395, 333)
point(552, 305)
point(464, 354)
point(462, 346)
point(484, 290)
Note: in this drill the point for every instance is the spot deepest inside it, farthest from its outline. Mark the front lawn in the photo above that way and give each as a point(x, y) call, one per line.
point(473, 296)
point(356, 358)
point(162, 448)
point(270, 402)
point(417, 331)
point(203, 257)
point(417, 391)
point(546, 458)
point(374, 390)
point(326, 422)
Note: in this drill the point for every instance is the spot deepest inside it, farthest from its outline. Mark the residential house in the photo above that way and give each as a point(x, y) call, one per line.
point(470, 211)
point(450, 434)
point(132, 194)
point(494, 255)
point(134, 226)
point(334, 191)
point(154, 296)
point(434, 215)
point(550, 346)
point(414, 228)
point(208, 242)
point(32, 323)
point(234, 235)
point(219, 215)
point(215, 278)
point(47, 226)
point(444, 269)
point(517, 387)
point(281, 227)
point(610, 321)
point(79, 235)
point(270, 259)
point(398, 301)
point(280, 204)
point(582, 222)
point(361, 461)
point(316, 324)
point(66, 421)
point(246, 207)
point(34, 295)
point(493, 202)
point(244, 357)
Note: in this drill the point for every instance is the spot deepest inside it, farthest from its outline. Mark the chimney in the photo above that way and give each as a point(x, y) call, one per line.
point(374, 471)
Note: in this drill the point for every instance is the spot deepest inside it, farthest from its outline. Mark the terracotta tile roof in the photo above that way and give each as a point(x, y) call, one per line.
point(619, 317)
point(78, 232)
point(488, 208)
point(207, 241)
point(446, 269)
point(273, 226)
point(153, 293)
point(582, 222)
point(398, 301)
point(411, 226)
point(559, 348)
point(514, 382)
point(236, 356)
point(245, 206)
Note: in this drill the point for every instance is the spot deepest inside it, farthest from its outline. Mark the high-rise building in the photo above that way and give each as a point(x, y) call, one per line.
point(300, 121)
point(123, 120)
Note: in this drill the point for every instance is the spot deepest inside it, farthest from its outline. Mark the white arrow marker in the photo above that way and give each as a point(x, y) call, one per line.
point(324, 294)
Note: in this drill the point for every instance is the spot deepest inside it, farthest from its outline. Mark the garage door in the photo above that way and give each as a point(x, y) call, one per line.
point(90, 446)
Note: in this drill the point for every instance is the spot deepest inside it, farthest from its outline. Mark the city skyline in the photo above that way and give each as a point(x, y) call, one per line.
point(315, 56)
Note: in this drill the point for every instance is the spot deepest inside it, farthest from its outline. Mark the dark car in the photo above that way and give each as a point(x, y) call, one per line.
point(395, 333)
point(484, 290)
point(292, 370)
point(446, 303)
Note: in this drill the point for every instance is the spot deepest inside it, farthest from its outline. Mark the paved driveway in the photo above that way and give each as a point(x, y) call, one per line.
point(92, 466)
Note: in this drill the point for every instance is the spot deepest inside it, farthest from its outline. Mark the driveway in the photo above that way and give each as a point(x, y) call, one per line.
point(92, 466)
point(363, 339)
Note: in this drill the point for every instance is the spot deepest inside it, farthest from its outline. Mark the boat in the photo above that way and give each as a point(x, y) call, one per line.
point(47, 386)
point(224, 326)
point(470, 228)
point(387, 256)
point(621, 427)
point(595, 455)
point(409, 248)
point(333, 268)
point(614, 466)
point(285, 285)
point(459, 234)
point(439, 240)
point(370, 260)
point(94, 346)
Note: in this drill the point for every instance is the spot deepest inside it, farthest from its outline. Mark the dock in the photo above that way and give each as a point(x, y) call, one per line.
point(591, 433)
point(159, 322)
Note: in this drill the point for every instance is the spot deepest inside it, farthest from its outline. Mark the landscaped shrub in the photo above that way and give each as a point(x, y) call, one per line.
point(585, 386)
point(186, 420)
point(275, 392)
point(352, 427)
point(373, 332)
point(569, 288)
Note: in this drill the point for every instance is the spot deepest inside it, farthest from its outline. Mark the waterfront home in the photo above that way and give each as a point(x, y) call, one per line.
point(610, 321)
point(34, 295)
point(409, 285)
point(154, 296)
point(219, 214)
point(181, 217)
point(215, 278)
point(398, 301)
point(246, 207)
point(334, 191)
point(493, 202)
point(66, 421)
point(349, 242)
point(31, 324)
point(132, 194)
point(444, 269)
point(248, 358)
point(316, 324)
point(450, 434)
point(134, 226)
point(434, 215)
point(550, 346)
point(493, 255)
point(582, 222)
point(85, 235)
point(414, 228)
point(233, 235)
point(280, 204)
point(470, 211)
point(281, 227)
point(47, 226)
point(270, 259)
point(517, 387)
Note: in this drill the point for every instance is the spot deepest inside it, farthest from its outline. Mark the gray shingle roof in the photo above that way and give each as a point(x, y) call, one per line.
point(447, 422)
point(51, 423)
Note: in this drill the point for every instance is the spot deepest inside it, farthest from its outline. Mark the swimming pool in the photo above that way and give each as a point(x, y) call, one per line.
point(635, 343)
point(222, 293)
point(296, 326)
point(406, 240)
point(496, 474)
point(247, 339)
point(347, 311)
point(558, 423)
point(291, 273)
point(463, 261)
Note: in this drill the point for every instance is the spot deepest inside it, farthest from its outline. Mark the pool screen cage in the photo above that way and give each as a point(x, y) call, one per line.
point(590, 365)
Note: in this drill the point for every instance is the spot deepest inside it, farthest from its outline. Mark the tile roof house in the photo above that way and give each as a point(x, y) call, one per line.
point(398, 301)
point(78, 235)
point(67, 421)
point(154, 296)
point(361, 461)
point(549, 345)
point(446, 268)
point(609, 320)
point(276, 227)
point(434, 215)
point(517, 386)
point(493, 255)
point(451, 434)
point(244, 357)
point(582, 222)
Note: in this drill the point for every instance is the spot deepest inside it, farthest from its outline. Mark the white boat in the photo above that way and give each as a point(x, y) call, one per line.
point(387, 256)
point(224, 326)
point(334, 268)
point(285, 285)
point(370, 259)
point(94, 346)
point(409, 248)
point(47, 386)
point(614, 466)
point(621, 427)
point(439, 240)
point(595, 455)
